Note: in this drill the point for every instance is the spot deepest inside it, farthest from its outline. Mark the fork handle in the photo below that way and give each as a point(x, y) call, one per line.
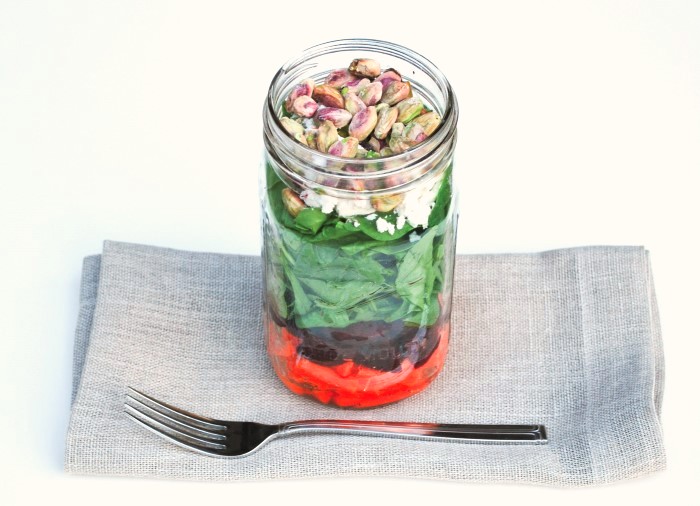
point(522, 433)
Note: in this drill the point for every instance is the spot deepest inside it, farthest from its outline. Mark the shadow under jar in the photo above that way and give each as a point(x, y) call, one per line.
point(358, 252)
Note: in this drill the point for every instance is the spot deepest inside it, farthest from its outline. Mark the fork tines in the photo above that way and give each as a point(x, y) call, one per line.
point(180, 427)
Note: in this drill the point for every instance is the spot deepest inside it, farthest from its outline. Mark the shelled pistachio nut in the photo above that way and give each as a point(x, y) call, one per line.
point(292, 202)
point(385, 119)
point(304, 106)
point(306, 87)
point(353, 103)
point(387, 77)
point(347, 147)
point(310, 135)
point(371, 94)
point(339, 117)
point(294, 129)
point(365, 67)
point(326, 136)
point(386, 203)
point(357, 85)
point(363, 123)
point(339, 78)
point(409, 109)
point(429, 121)
point(395, 92)
point(328, 96)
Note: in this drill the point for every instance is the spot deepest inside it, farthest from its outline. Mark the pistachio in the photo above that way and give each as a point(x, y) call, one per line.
point(409, 109)
point(361, 152)
point(397, 142)
point(387, 77)
point(363, 123)
point(339, 78)
point(304, 106)
point(306, 87)
point(429, 121)
point(292, 202)
point(387, 151)
point(357, 85)
point(395, 92)
point(328, 96)
point(365, 67)
point(339, 117)
point(381, 106)
point(327, 135)
point(293, 128)
point(375, 144)
point(385, 119)
point(414, 133)
point(386, 203)
point(347, 147)
point(310, 136)
point(371, 93)
point(353, 103)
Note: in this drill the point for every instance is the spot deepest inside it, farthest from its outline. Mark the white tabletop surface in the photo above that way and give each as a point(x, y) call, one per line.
point(141, 122)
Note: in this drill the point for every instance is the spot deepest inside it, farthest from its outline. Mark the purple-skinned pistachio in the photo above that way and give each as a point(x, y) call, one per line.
point(339, 117)
point(396, 91)
point(294, 129)
point(347, 147)
point(304, 106)
point(357, 85)
point(353, 103)
point(371, 93)
point(306, 87)
point(365, 67)
point(409, 109)
point(327, 135)
point(363, 123)
point(328, 96)
point(414, 133)
point(292, 202)
point(385, 119)
point(429, 121)
point(386, 203)
point(339, 78)
point(387, 77)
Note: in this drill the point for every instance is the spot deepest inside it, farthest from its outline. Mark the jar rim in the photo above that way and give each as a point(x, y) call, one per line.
point(325, 165)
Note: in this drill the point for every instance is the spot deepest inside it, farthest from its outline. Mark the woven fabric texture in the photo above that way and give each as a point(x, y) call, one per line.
point(566, 338)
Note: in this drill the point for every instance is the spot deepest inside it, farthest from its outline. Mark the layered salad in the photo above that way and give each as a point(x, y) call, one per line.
point(358, 287)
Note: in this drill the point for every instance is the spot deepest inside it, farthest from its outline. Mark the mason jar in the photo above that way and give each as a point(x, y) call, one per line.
point(358, 253)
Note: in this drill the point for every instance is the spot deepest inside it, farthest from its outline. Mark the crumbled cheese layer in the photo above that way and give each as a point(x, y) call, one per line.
point(414, 209)
point(417, 204)
point(385, 226)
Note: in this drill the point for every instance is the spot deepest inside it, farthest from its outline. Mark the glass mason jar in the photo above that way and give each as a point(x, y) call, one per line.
point(358, 298)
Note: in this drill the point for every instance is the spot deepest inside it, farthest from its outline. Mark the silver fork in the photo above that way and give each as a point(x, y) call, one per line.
point(219, 438)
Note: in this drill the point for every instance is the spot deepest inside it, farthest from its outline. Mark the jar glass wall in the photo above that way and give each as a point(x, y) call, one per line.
point(358, 253)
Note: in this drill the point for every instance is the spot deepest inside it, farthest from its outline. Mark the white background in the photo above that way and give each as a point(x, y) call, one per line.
point(141, 121)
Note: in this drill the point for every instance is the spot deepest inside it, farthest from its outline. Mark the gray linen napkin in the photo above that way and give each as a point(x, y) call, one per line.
point(568, 338)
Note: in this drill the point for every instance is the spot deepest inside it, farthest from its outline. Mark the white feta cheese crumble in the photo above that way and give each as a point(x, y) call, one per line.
point(313, 199)
point(415, 208)
point(417, 204)
point(385, 226)
point(353, 207)
point(400, 222)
